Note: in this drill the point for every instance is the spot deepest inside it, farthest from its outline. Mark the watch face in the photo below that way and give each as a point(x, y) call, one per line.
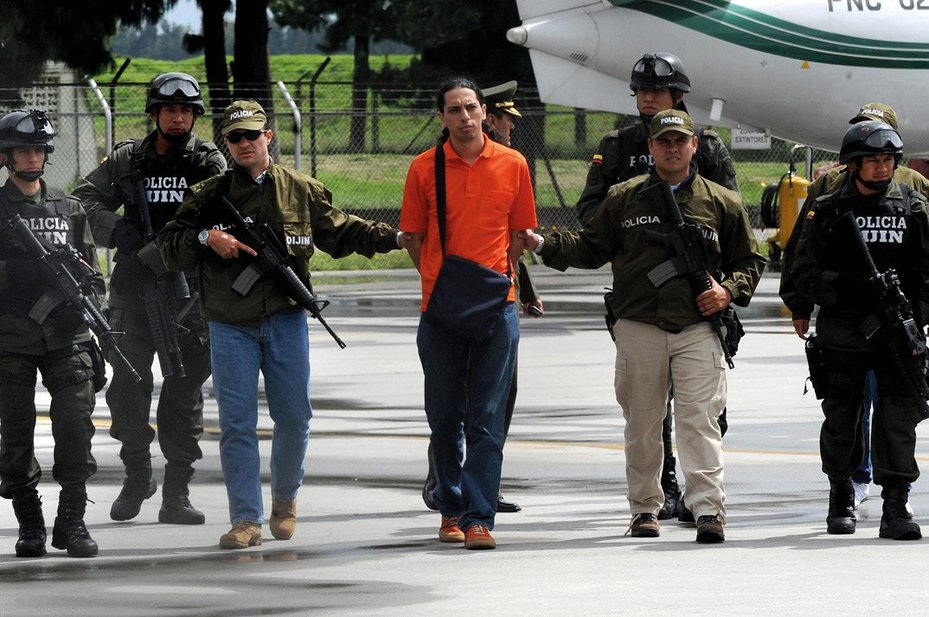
point(203, 236)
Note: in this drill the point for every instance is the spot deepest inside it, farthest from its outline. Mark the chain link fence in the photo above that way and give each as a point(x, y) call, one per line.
point(362, 155)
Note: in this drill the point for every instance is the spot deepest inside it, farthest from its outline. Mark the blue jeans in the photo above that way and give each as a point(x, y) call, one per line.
point(862, 475)
point(468, 380)
point(279, 347)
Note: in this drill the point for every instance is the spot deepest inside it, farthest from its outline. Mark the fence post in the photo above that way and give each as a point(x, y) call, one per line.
point(298, 125)
point(107, 115)
point(322, 67)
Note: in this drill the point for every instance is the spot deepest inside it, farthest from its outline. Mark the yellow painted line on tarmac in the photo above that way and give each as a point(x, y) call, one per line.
point(266, 434)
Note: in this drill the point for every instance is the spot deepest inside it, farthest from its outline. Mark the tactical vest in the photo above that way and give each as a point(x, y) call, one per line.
point(165, 180)
point(885, 227)
point(49, 220)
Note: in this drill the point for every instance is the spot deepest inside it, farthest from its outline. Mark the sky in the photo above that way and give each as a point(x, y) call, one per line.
point(185, 13)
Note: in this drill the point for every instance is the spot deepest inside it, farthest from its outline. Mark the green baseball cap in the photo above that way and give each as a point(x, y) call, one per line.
point(243, 116)
point(671, 120)
point(878, 112)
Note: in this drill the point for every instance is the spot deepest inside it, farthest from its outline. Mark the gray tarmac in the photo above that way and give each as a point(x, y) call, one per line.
point(365, 544)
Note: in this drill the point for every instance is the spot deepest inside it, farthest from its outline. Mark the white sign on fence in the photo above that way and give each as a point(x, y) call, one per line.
point(744, 138)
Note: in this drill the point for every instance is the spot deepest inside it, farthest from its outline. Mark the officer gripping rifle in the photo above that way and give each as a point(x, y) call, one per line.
point(272, 258)
point(73, 287)
point(894, 317)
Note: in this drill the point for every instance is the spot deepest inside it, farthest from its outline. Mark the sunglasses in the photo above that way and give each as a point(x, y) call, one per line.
point(236, 137)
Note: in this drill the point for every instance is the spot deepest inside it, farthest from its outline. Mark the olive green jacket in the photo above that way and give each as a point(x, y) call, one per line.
point(296, 207)
point(623, 230)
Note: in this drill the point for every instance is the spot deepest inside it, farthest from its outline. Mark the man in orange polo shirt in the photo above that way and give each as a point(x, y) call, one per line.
point(489, 199)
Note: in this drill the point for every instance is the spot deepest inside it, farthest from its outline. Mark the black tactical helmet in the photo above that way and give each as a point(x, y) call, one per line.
point(170, 88)
point(26, 129)
point(868, 138)
point(659, 70)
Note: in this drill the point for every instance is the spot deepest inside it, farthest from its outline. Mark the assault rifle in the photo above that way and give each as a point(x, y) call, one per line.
point(272, 259)
point(159, 295)
point(73, 287)
point(688, 256)
point(894, 317)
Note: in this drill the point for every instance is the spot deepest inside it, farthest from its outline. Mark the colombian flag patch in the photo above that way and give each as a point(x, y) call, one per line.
point(597, 159)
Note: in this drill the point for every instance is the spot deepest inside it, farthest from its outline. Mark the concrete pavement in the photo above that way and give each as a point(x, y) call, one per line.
point(365, 544)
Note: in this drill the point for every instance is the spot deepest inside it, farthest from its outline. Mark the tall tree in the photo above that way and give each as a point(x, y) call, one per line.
point(214, 59)
point(75, 33)
point(251, 67)
point(358, 21)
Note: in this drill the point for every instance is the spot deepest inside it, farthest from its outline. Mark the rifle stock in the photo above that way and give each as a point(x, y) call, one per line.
point(73, 290)
point(273, 258)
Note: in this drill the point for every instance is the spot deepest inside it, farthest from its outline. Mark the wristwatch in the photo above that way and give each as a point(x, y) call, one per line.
point(204, 237)
point(538, 249)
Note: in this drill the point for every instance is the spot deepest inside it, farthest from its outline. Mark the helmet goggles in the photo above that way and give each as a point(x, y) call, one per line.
point(177, 88)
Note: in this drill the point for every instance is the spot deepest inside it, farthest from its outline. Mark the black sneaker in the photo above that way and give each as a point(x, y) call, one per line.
point(644, 525)
point(710, 529)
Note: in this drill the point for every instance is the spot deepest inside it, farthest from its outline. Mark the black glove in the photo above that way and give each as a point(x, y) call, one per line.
point(65, 320)
point(29, 273)
point(126, 236)
point(129, 275)
point(22, 270)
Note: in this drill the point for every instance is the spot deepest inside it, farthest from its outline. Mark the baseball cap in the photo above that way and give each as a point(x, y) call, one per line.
point(243, 116)
point(500, 98)
point(876, 111)
point(671, 120)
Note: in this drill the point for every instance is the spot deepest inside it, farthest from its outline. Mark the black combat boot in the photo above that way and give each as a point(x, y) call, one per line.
point(672, 491)
point(175, 504)
point(896, 521)
point(70, 532)
point(137, 487)
point(841, 517)
point(28, 508)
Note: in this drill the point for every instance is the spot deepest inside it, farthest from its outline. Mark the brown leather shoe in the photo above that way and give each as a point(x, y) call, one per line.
point(644, 525)
point(242, 535)
point(283, 518)
point(710, 529)
point(449, 531)
point(477, 537)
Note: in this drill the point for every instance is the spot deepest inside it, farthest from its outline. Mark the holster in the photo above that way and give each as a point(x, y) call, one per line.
point(819, 377)
point(733, 329)
point(610, 316)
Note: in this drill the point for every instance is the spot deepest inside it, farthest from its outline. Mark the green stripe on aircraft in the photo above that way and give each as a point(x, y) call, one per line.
point(754, 30)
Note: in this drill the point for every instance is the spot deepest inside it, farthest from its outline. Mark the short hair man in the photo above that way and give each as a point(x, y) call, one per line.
point(261, 328)
point(464, 379)
point(663, 325)
point(166, 162)
point(658, 83)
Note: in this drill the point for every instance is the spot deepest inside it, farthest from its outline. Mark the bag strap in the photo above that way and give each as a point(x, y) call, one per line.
point(440, 197)
point(440, 189)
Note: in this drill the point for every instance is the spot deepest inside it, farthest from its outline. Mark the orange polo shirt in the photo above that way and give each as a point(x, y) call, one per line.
point(484, 201)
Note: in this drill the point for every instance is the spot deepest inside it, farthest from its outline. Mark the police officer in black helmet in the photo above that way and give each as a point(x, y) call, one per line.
point(828, 271)
point(658, 82)
point(58, 346)
point(166, 162)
